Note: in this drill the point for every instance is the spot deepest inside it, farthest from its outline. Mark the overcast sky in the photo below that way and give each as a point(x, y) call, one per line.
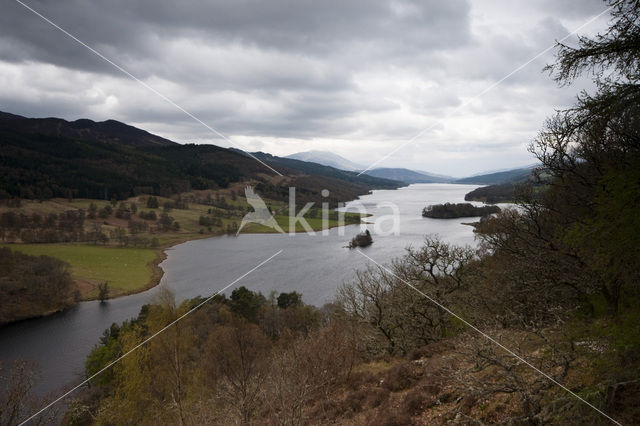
point(357, 78)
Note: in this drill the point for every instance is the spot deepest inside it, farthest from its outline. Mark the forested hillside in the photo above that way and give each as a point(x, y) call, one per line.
point(45, 158)
point(510, 190)
point(515, 175)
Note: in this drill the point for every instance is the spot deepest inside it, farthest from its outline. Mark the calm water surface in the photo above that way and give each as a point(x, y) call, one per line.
point(312, 265)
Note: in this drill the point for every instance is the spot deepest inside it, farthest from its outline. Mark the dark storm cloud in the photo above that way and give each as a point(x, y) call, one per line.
point(361, 76)
point(130, 30)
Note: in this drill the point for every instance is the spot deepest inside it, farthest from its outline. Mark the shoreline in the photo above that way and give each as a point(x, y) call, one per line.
point(161, 255)
point(156, 271)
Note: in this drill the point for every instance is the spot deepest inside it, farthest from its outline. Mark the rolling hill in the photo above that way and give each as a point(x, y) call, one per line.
point(505, 188)
point(512, 175)
point(44, 158)
point(83, 130)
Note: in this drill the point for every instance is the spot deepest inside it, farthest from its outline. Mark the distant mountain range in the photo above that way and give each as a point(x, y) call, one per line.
point(408, 176)
point(398, 174)
point(326, 158)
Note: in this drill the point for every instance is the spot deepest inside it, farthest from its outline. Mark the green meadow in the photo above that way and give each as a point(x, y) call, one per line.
point(132, 269)
point(125, 269)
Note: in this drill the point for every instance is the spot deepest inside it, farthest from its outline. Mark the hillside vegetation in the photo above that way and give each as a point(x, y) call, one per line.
point(451, 210)
point(121, 243)
point(46, 158)
point(32, 284)
point(493, 194)
point(514, 175)
point(510, 190)
point(552, 295)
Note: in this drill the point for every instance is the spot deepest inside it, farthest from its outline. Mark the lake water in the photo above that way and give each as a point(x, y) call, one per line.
point(312, 265)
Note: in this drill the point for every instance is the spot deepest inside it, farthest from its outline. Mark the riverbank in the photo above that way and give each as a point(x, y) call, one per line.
point(315, 224)
point(314, 266)
point(125, 269)
point(131, 270)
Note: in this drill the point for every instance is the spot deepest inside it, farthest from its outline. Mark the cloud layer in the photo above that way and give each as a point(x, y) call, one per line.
point(357, 78)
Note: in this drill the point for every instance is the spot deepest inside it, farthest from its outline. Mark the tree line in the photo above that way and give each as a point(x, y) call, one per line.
point(32, 286)
point(235, 358)
point(451, 210)
point(67, 226)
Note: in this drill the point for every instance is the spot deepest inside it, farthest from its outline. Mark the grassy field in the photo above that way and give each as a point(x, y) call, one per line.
point(126, 270)
point(132, 269)
point(187, 218)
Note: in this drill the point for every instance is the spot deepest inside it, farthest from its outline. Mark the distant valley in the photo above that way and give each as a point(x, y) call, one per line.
point(408, 176)
point(44, 158)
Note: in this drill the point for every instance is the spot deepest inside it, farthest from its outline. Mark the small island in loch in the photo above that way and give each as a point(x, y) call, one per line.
point(363, 239)
point(451, 211)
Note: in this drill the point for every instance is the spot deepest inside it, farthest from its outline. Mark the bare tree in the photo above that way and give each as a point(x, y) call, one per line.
point(309, 369)
point(492, 371)
point(238, 355)
point(399, 316)
point(17, 401)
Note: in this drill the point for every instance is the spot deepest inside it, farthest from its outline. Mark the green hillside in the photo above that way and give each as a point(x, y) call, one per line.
point(513, 175)
point(46, 158)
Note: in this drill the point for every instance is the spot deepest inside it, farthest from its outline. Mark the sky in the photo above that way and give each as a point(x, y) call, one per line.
point(357, 78)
